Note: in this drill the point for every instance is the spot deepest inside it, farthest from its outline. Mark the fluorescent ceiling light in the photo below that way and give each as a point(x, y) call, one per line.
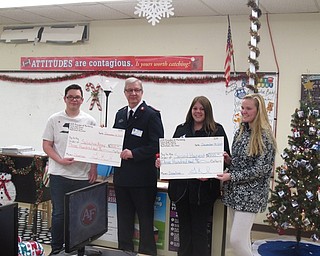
point(24, 3)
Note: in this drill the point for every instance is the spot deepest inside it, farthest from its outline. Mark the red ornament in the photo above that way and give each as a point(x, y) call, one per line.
point(281, 231)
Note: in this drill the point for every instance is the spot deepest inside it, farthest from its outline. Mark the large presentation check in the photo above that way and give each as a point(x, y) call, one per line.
point(184, 158)
point(93, 144)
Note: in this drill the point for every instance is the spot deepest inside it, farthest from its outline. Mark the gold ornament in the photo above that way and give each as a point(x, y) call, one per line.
point(308, 85)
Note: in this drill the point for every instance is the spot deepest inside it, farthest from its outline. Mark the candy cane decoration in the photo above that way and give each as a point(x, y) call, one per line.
point(94, 95)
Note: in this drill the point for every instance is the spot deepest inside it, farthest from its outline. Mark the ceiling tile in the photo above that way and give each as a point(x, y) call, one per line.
point(86, 12)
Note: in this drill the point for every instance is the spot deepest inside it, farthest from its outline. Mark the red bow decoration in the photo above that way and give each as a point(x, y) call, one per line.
point(3, 185)
point(94, 95)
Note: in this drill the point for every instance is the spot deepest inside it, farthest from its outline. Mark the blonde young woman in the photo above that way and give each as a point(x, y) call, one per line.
point(246, 184)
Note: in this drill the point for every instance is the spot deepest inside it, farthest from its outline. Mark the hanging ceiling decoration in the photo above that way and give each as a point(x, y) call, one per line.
point(154, 10)
point(254, 50)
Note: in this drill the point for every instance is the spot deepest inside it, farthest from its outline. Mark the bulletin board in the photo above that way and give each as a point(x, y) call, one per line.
point(25, 107)
point(315, 92)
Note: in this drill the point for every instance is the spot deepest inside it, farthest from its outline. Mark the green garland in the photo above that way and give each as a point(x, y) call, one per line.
point(37, 165)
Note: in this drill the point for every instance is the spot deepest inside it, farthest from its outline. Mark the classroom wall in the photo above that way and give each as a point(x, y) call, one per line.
point(295, 38)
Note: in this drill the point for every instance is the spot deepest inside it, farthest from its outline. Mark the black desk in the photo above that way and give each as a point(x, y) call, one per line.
point(26, 174)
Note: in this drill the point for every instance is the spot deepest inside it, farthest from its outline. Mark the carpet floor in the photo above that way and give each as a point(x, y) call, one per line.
point(43, 234)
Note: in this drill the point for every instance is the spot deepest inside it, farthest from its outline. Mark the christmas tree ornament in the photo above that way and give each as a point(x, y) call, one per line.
point(309, 167)
point(306, 143)
point(312, 131)
point(284, 155)
point(315, 238)
point(308, 85)
point(282, 209)
point(294, 203)
point(306, 222)
point(309, 195)
point(293, 192)
point(281, 193)
point(296, 163)
point(315, 112)
point(291, 183)
point(282, 170)
point(285, 178)
point(296, 134)
point(300, 114)
point(315, 211)
point(274, 215)
point(281, 231)
point(285, 225)
point(303, 162)
point(315, 147)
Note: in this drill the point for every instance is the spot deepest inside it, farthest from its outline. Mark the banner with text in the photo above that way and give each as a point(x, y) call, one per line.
point(113, 63)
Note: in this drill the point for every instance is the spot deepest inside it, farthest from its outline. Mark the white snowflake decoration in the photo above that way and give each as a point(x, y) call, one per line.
point(154, 10)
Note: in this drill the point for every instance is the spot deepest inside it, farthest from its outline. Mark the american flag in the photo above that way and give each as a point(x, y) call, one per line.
point(229, 51)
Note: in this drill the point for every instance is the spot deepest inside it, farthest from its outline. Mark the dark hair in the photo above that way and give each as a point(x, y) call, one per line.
point(73, 87)
point(209, 125)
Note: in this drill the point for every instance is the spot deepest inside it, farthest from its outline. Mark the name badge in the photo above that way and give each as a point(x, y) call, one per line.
point(136, 132)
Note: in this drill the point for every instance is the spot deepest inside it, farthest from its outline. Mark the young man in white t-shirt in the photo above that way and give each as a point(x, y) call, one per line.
point(66, 174)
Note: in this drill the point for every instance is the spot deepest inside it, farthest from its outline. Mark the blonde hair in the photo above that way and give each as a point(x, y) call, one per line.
point(259, 126)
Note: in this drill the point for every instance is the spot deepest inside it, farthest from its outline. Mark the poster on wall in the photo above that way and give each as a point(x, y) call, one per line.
point(173, 239)
point(159, 220)
point(267, 87)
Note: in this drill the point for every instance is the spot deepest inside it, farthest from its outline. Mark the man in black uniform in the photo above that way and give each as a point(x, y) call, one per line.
point(136, 180)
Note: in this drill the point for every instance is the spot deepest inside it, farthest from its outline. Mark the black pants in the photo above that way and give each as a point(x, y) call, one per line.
point(132, 201)
point(193, 226)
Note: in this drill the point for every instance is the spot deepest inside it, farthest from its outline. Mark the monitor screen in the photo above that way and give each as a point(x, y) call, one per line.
point(86, 215)
point(9, 229)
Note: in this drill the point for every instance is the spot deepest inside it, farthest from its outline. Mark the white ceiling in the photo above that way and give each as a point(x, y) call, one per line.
point(117, 10)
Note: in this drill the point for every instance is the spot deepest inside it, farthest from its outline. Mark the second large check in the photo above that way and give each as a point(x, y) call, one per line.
point(184, 158)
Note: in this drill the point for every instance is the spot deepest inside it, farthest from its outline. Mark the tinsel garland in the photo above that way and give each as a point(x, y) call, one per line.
point(37, 165)
point(254, 6)
point(145, 78)
point(254, 49)
point(255, 21)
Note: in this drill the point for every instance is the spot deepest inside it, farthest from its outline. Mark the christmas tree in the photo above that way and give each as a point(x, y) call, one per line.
point(295, 199)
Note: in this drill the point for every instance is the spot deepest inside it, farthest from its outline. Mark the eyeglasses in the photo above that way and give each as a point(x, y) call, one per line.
point(74, 98)
point(133, 90)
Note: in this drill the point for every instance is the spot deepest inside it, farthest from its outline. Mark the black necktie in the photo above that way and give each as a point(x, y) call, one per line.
point(130, 115)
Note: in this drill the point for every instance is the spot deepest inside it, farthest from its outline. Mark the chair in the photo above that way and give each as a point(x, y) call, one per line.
point(45, 208)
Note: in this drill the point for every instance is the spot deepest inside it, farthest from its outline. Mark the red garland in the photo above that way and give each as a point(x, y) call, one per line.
point(156, 79)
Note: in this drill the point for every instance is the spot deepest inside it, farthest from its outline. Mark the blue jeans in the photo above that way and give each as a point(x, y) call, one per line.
point(59, 186)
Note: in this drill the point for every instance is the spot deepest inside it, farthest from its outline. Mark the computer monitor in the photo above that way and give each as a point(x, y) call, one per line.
point(9, 229)
point(86, 216)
